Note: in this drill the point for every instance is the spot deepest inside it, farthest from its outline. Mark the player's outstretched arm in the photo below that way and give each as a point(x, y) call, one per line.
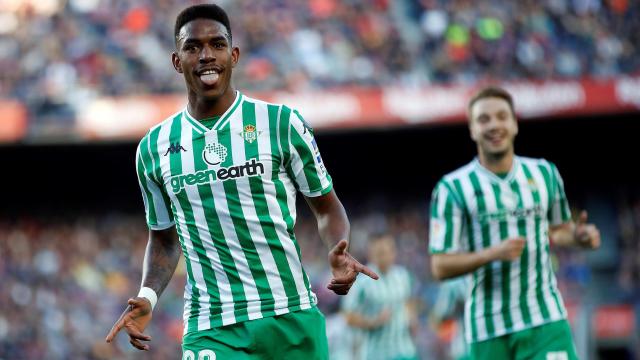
point(580, 233)
point(447, 266)
point(160, 261)
point(333, 226)
point(357, 320)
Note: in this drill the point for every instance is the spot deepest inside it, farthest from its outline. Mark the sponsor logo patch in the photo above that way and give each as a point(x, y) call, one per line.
point(214, 153)
point(202, 177)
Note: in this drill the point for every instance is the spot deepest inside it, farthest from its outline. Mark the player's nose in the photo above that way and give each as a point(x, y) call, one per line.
point(207, 54)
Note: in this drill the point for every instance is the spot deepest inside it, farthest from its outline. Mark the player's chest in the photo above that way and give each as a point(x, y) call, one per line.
point(214, 157)
point(494, 201)
point(387, 291)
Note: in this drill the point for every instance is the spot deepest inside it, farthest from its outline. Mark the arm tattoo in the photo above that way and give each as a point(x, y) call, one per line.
point(160, 260)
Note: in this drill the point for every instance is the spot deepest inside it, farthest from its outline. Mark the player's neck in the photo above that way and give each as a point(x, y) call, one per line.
point(383, 270)
point(497, 164)
point(202, 108)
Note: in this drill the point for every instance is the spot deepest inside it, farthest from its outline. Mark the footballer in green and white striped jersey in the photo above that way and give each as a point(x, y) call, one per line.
point(369, 298)
point(380, 309)
point(493, 219)
point(231, 192)
point(473, 209)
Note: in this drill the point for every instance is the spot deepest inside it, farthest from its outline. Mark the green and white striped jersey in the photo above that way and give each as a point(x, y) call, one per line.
point(231, 193)
point(369, 298)
point(473, 209)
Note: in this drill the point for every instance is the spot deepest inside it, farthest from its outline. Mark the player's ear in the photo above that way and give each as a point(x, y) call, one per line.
point(235, 55)
point(472, 134)
point(175, 60)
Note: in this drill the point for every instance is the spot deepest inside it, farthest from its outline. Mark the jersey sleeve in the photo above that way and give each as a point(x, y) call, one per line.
point(446, 221)
point(157, 205)
point(559, 211)
point(305, 164)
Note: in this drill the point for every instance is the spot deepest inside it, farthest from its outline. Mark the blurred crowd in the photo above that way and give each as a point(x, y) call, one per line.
point(57, 55)
point(629, 275)
point(64, 281)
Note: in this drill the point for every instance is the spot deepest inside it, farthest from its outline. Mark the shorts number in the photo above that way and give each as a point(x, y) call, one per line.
point(206, 355)
point(202, 355)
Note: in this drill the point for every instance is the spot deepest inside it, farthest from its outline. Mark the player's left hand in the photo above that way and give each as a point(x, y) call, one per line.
point(134, 320)
point(586, 235)
point(345, 269)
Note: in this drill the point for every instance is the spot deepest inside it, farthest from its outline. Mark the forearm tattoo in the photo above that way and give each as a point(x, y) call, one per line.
point(161, 259)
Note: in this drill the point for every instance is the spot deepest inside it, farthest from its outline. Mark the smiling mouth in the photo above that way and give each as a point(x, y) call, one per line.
point(495, 139)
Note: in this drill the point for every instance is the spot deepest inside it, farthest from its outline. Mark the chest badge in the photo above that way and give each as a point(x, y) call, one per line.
point(250, 134)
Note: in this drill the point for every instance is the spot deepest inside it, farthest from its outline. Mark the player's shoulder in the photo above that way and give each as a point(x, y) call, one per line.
point(536, 162)
point(165, 122)
point(458, 174)
point(154, 129)
point(263, 103)
point(257, 102)
point(293, 115)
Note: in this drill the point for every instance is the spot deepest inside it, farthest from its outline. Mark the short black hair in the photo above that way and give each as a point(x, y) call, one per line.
point(492, 92)
point(201, 11)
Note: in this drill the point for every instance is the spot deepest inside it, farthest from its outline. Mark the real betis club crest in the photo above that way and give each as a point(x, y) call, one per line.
point(250, 134)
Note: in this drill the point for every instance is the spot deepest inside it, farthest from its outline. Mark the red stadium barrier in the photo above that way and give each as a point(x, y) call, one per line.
point(614, 322)
point(131, 117)
point(13, 120)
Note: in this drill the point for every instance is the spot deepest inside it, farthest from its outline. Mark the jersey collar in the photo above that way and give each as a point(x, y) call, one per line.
point(512, 173)
point(221, 123)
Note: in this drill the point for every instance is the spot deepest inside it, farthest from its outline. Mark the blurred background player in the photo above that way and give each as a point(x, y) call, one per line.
point(495, 218)
point(383, 309)
point(223, 173)
point(447, 315)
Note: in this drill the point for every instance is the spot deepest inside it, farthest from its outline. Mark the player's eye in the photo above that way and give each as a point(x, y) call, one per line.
point(190, 48)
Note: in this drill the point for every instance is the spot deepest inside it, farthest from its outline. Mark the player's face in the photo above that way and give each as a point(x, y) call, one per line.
point(206, 58)
point(493, 126)
point(383, 253)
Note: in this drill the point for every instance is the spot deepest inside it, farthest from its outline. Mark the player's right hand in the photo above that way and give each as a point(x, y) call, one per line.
point(510, 249)
point(134, 320)
point(345, 268)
